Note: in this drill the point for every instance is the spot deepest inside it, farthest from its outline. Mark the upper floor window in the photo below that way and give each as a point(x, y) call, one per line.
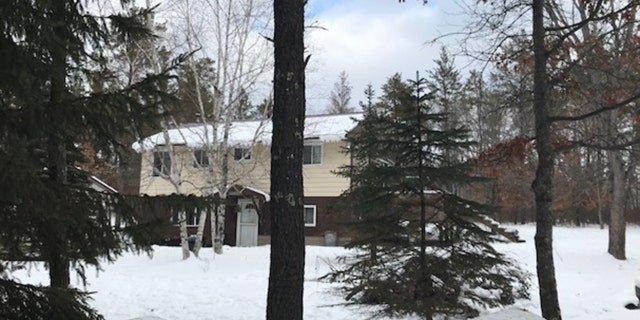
point(161, 163)
point(241, 154)
point(312, 154)
point(200, 158)
point(310, 215)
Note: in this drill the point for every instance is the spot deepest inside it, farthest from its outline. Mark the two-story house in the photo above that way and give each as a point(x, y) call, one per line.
point(181, 160)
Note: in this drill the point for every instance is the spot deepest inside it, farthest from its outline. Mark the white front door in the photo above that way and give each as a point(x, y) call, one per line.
point(247, 232)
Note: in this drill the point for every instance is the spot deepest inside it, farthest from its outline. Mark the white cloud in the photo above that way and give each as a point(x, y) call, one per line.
point(370, 40)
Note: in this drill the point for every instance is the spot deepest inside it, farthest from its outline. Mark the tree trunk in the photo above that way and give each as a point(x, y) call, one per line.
point(617, 224)
point(174, 179)
point(57, 258)
point(202, 220)
point(59, 270)
point(207, 144)
point(224, 181)
point(423, 287)
point(184, 235)
point(214, 215)
point(218, 241)
point(599, 197)
point(543, 183)
point(286, 272)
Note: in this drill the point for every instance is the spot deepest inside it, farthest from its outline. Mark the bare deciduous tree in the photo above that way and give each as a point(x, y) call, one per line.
point(570, 41)
point(230, 33)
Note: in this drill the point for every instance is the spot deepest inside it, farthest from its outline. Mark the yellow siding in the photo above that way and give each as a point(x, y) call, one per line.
point(253, 172)
point(182, 168)
point(319, 180)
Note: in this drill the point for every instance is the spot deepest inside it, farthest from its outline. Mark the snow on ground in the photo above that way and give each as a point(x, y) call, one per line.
point(591, 284)
point(507, 314)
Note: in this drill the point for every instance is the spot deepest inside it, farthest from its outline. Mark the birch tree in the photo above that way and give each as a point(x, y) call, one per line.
point(230, 32)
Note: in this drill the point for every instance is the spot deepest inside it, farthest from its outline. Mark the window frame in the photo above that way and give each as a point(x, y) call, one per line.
point(194, 216)
point(162, 161)
point(315, 215)
point(320, 146)
point(245, 154)
point(199, 160)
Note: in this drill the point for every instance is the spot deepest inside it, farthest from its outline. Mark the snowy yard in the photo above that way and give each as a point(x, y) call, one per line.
point(592, 285)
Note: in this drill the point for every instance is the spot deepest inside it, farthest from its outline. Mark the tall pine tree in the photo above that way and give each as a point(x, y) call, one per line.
point(286, 267)
point(420, 252)
point(444, 82)
point(48, 111)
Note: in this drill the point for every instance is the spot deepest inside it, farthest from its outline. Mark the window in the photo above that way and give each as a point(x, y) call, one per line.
point(310, 216)
point(161, 163)
point(192, 217)
point(312, 154)
point(200, 158)
point(241, 154)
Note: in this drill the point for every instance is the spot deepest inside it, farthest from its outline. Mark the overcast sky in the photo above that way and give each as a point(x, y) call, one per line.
point(368, 39)
point(371, 40)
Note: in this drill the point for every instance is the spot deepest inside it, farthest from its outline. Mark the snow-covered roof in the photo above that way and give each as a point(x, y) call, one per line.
point(321, 127)
point(100, 185)
point(267, 197)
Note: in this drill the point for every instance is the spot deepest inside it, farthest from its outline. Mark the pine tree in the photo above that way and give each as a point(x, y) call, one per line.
point(444, 82)
point(419, 250)
point(264, 110)
point(188, 108)
point(486, 119)
point(369, 94)
point(396, 98)
point(244, 109)
point(340, 96)
point(129, 62)
point(48, 111)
